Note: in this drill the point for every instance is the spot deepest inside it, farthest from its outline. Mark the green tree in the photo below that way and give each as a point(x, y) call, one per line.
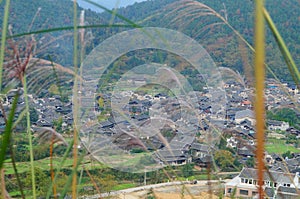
point(250, 162)
point(224, 159)
point(58, 125)
point(33, 118)
point(285, 114)
point(287, 154)
point(223, 143)
point(187, 170)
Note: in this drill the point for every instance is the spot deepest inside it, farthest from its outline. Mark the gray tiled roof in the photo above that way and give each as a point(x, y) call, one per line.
point(244, 113)
point(287, 190)
point(200, 147)
point(268, 175)
point(170, 153)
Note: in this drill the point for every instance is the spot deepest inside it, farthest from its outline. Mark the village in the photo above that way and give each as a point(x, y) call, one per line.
point(175, 133)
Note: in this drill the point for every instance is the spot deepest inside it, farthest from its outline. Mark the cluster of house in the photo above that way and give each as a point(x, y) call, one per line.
point(45, 110)
point(179, 133)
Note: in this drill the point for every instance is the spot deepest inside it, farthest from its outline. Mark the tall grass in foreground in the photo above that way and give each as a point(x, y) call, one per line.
point(260, 74)
point(259, 64)
point(3, 39)
point(75, 103)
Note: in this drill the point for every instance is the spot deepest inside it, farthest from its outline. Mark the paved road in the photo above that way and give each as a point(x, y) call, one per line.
point(148, 187)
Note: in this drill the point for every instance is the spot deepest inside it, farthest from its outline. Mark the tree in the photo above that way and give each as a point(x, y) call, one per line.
point(285, 114)
point(287, 154)
point(223, 143)
point(250, 162)
point(33, 118)
point(187, 170)
point(224, 159)
point(58, 124)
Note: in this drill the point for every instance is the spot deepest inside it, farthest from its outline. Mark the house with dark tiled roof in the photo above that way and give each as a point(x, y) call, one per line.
point(240, 116)
point(277, 125)
point(201, 154)
point(172, 157)
point(246, 151)
point(200, 150)
point(276, 185)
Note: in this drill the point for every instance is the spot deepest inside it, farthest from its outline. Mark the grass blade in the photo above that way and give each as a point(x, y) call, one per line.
point(7, 132)
point(67, 152)
point(283, 48)
point(75, 112)
point(29, 137)
point(70, 28)
point(259, 88)
point(3, 38)
point(70, 179)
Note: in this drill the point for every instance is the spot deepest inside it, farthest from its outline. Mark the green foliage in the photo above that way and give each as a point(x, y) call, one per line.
point(250, 162)
point(219, 40)
point(41, 179)
point(222, 45)
point(187, 170)
point(279, 146)
point(224, 159)
point(33, 114)
point(222, 143)
point(33, 117)
point(136, 150)
point(107, 183)
point(285, 114)
point(5, 139)
point(57, 124)
point(287, 154)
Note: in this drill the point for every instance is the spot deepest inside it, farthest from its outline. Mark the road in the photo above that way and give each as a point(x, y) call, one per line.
point(153, 186)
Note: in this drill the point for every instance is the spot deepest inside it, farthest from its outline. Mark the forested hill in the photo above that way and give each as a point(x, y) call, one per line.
point(35, 15)
point(217, 38)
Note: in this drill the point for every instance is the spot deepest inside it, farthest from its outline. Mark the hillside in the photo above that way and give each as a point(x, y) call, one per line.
point(32, 15)
point(219, 40)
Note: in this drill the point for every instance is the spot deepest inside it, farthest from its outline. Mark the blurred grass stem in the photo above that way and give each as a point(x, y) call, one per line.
point(259, 60)
point(75, 102)
point(3, 38)
point(29, 137)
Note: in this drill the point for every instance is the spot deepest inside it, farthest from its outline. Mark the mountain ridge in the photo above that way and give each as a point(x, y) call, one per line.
point(221, 43)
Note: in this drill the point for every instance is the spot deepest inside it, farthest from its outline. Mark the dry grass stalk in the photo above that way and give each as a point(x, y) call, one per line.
point(49, 135)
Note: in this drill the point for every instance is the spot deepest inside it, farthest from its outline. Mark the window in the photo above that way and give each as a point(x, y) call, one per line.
point(254, 193)
point(250, 181)
point(229, 190)
point(246, 181)
point(288, 185)
point(266, 183)
point(244, 192)
point(254, 182)
point(243, 180)
point(275, 184)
